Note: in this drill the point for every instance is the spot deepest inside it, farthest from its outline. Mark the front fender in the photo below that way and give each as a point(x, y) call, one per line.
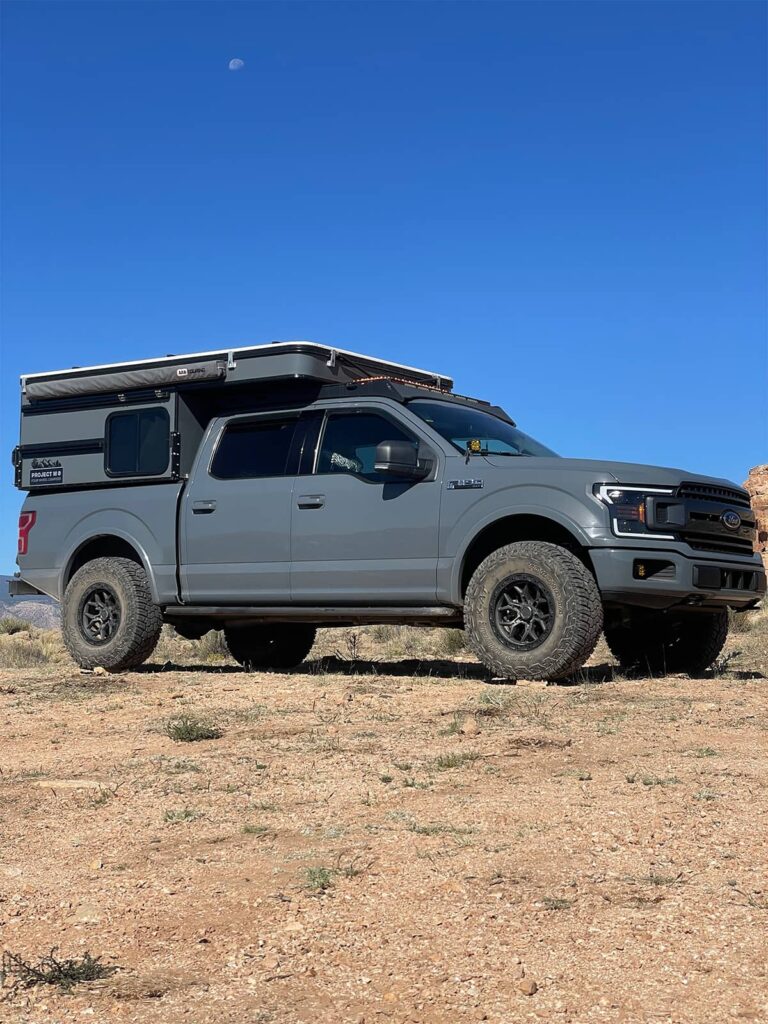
point(573, 512)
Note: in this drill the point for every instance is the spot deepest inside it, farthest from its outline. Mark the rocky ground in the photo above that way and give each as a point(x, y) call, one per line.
point(384, 840)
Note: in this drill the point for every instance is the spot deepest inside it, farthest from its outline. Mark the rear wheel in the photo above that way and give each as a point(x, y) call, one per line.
point(108, 616)
point(660, 644)
point(532, 611)
point(283, 645)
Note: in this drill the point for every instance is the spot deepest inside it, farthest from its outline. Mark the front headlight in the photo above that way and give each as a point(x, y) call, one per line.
point(629, 508)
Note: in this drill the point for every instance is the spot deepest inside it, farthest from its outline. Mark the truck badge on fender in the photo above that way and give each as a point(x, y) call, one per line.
point(463, 485)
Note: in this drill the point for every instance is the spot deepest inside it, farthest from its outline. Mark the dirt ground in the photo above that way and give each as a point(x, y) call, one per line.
point(388, 841)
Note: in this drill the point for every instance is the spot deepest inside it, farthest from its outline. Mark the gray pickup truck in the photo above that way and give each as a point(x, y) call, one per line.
point(270, 490)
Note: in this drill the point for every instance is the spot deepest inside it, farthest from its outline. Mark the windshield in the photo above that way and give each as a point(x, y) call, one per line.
point(462, 426)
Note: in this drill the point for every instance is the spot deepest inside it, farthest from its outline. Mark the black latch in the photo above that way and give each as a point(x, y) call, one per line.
point(16, 461)
point(175, 454)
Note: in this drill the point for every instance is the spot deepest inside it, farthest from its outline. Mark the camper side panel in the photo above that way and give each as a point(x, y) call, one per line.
point(78, 447)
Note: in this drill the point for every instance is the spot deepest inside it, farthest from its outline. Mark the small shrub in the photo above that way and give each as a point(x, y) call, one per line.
point(211, 648)
point(182, 814)
point(556, 903)
point(187, 729)
point(255, 830)
point(411, 783)
point(23, 652)
point(446, 761)
point(452, 641)
point(383, 634)
point(453, 729)
point(740, 622)
point(318, 879)
point(705, 794)
point(11, 624)
point(50, 970)
point(652, 780)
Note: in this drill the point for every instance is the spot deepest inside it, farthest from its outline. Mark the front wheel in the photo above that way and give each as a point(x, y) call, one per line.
point(280, 646)
point(532, 611)
point(674, 642)
point(108, 617)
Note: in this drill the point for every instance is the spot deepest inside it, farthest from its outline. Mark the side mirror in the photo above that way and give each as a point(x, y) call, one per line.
point(399, 458)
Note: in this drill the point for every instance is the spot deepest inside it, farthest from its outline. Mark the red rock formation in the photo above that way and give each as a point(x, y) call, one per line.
point(757, 485)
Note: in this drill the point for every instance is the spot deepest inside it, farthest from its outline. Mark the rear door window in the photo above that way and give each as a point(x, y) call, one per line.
point(254, 449)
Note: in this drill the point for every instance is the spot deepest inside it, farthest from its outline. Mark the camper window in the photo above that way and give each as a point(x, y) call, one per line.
point(137, 443)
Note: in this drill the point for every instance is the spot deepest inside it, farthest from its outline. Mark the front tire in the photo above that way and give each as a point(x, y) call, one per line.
point(108, 616)
point(532, 611)
point(281, 646)
point(657, 645)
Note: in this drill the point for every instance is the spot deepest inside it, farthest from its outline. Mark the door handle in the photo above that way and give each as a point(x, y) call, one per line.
point(201, 508)
point(310, 500)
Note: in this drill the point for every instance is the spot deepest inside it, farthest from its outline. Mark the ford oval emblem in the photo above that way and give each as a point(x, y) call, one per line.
point(731, 520)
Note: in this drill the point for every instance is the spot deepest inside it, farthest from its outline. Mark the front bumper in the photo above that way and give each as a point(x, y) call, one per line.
point(657, 578)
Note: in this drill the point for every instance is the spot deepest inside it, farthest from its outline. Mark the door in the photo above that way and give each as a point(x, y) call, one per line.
point(235, 530)
point(357, 536)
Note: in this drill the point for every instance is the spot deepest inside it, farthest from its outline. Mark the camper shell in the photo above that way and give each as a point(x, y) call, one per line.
point(142, 421)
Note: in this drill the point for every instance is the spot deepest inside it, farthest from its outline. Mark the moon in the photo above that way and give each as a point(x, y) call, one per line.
point(236, 64)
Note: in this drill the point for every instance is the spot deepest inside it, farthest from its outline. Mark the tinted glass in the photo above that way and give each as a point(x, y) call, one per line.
point(461, 424)
point(252, 450)
point(350, 440)
point(138, 442)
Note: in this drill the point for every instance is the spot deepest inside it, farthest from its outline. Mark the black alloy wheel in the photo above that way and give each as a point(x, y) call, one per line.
point(99, 615)
point(522, 611)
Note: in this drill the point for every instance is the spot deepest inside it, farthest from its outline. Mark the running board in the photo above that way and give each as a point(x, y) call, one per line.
point(342, 616)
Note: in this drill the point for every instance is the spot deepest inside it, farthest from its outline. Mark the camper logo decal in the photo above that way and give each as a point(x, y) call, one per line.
point(45, 471)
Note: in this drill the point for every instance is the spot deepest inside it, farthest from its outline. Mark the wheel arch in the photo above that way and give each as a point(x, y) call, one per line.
point(106, 545)
point(507, 529)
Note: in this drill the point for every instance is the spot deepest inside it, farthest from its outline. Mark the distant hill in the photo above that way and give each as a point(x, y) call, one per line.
point(40, 611)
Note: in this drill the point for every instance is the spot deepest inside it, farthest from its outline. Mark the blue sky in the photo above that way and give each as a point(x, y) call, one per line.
point(560, 204)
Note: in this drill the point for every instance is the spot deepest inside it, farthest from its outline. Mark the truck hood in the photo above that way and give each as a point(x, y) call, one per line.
point(619, 472)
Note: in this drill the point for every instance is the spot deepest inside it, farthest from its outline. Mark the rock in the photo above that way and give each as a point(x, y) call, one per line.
point(100, 671)
point(87, 913)
point(97, 865)
point(528, 987)
point(469, 727)
point(757, 485)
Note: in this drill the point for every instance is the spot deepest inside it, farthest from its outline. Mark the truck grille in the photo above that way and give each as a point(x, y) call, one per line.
point(704, 530)
point(723, 546)
point(711, 492)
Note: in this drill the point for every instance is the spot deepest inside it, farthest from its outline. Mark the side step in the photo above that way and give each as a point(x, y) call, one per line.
point(439, 615)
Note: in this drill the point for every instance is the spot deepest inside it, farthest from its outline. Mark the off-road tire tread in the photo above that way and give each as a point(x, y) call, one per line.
point(583, 611)
point(286, 646)
point(638, 647)
point(143, 615)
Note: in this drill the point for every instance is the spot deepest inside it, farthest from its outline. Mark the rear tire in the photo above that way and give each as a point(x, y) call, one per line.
point(108, 616)
point(660, 644)
point(281, 646)
point(532, 611)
